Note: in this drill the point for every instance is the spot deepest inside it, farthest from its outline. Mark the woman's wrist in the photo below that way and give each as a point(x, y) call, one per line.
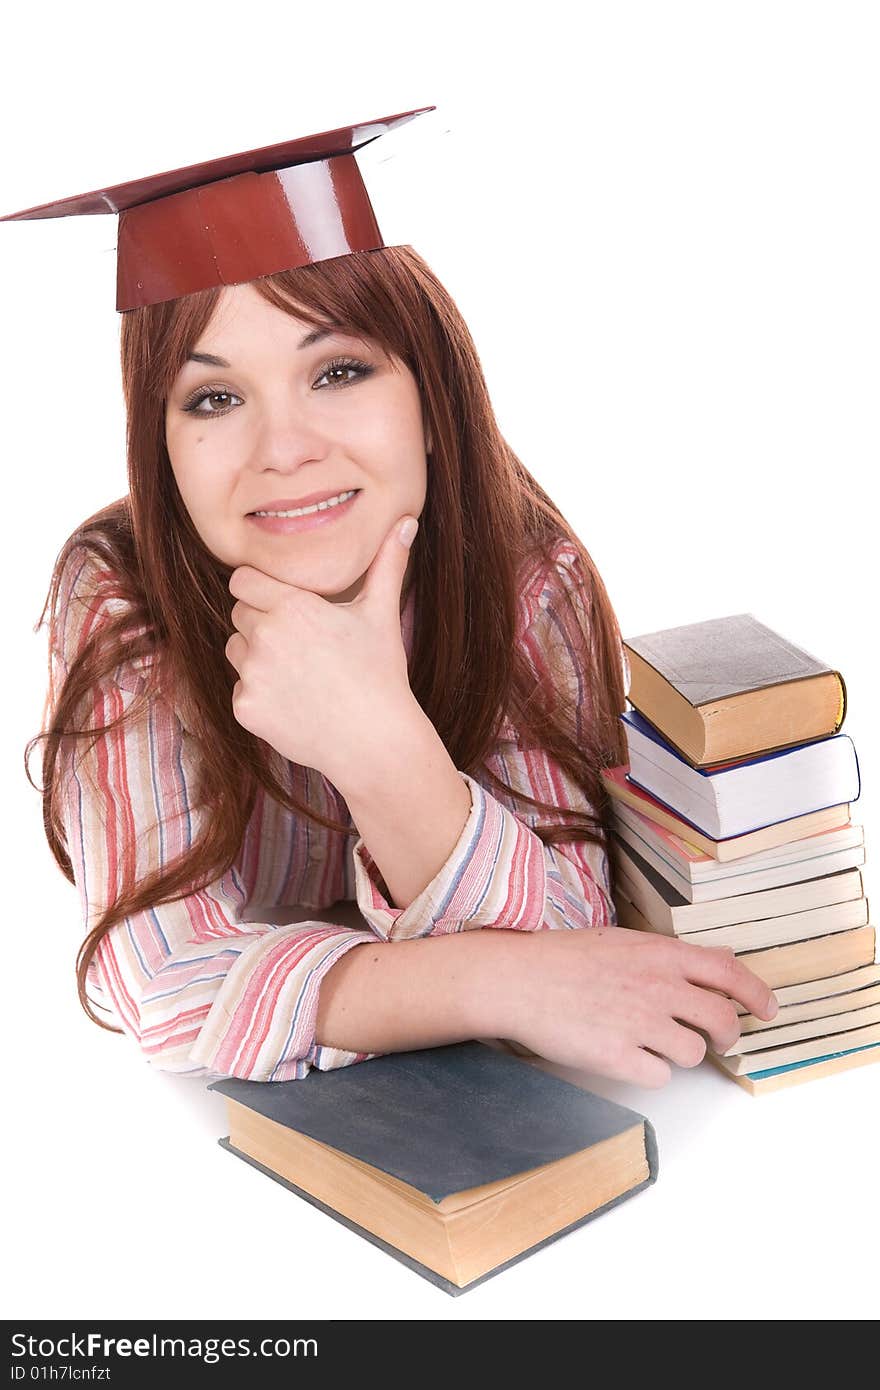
point(495, 987)
point(399, 995)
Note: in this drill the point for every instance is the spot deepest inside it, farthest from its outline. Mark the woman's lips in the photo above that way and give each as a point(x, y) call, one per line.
point(290, 525)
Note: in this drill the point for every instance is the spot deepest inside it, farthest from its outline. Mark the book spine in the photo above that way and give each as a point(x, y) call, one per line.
point(841, 714)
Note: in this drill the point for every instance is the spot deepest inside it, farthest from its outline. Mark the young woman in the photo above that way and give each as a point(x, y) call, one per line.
point(272, 740)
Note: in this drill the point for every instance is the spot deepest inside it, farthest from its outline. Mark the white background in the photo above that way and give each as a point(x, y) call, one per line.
point(660, 221)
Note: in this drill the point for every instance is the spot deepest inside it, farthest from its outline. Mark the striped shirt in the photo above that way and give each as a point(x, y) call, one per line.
point(225, 981)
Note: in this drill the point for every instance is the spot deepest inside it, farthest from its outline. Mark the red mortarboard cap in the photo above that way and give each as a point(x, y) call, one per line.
point(239, 217)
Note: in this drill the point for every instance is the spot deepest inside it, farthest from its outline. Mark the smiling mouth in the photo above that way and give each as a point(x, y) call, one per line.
point(312, 509)
point(320, 519)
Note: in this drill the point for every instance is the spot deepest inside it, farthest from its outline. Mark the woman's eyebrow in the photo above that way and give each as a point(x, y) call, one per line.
point(209, 360)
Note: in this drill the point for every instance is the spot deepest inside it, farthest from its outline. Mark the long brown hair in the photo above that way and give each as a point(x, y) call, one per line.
point(484, 517)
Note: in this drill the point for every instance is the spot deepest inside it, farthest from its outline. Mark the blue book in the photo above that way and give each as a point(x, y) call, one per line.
point(747, 794)
point(459, 1161)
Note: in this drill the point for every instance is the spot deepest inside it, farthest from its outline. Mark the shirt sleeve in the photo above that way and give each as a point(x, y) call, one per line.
point(500, 873)
point(201, 991)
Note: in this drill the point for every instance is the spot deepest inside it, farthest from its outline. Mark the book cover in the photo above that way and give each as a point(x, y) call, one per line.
point(721, 657)
point(442, 1120)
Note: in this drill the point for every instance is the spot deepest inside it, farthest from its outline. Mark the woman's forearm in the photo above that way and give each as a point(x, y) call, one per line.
point(394, 996)
point(608, 999)
point(409, 803)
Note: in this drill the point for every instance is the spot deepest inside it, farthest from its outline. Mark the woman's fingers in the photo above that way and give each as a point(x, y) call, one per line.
point(710, 1011)
point(716, 967)
point(627, 1004)
point(680, 1044)
point(617, 1054)
point(648, 1070)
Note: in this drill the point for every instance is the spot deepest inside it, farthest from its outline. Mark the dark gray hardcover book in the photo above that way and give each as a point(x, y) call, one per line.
point(443, 1120)
point(721, 657)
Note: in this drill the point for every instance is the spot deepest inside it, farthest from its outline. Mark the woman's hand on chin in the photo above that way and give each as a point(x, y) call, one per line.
point(324, 683)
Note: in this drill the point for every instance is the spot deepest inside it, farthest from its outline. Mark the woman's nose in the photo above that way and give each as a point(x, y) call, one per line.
point(287, 435)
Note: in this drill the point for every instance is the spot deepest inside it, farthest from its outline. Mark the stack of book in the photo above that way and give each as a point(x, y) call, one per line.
point(732, 827)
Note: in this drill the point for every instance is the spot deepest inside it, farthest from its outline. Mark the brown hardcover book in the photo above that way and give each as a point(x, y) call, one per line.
point(731, 687)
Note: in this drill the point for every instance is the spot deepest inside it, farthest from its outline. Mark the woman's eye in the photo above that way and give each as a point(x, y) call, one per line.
point(192, 407)
point(343, 372)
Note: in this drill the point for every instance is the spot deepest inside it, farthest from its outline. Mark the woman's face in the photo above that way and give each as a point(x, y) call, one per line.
point(291, 414)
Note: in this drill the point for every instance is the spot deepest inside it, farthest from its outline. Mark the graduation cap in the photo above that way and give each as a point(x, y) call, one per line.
point(239, 217)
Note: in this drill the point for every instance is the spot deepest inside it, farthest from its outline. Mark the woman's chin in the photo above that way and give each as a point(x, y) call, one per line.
point(338, 583)
point(335, 588)
point(345, 595)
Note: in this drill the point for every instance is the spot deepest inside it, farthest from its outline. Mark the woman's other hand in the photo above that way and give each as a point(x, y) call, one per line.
point(619, 1002)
